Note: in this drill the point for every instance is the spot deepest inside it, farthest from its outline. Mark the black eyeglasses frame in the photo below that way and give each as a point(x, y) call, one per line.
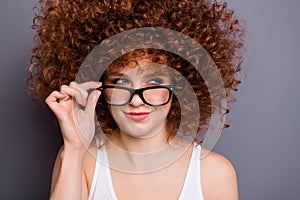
point(139, 92)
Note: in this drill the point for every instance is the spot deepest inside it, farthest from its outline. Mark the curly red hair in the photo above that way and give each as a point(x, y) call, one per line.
point(67, 31)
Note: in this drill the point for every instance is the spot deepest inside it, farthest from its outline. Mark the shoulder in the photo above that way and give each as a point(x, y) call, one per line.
point(218, 177)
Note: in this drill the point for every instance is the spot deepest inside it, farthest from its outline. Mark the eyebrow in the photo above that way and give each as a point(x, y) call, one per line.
point(116, 75)
point(111, 77)
point(144, 76)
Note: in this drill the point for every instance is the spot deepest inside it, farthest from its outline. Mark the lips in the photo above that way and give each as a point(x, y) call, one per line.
point(138, 116)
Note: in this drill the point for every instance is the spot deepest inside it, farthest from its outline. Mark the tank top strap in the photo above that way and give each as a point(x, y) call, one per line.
point(102, 187)
point(192, 189)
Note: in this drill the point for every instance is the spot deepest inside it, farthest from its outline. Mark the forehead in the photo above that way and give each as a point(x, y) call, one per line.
point(146, 68)
point(139, 67)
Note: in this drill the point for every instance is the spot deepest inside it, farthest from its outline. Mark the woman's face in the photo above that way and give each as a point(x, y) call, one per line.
point(135, 114)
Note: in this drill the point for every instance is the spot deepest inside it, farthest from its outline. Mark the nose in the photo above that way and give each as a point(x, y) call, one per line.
point(136, 100)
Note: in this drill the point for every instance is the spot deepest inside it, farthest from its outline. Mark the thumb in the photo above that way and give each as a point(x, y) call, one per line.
point(92, 101)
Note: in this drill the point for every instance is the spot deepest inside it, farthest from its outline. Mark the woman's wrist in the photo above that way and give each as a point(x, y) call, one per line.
point(73, 152)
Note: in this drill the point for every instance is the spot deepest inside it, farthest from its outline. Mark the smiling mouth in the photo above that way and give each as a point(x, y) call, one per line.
point(138, 116)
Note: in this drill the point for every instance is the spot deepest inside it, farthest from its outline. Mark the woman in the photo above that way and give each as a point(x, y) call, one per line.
point(139, 106)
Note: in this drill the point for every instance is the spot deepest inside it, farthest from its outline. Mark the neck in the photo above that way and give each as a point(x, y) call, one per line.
point(134, 144)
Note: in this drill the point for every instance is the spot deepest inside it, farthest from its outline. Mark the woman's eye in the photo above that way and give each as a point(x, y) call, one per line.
point(120, 81)
point(155, 81)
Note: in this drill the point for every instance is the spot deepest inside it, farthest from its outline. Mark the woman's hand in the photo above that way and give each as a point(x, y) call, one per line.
point(74, 109)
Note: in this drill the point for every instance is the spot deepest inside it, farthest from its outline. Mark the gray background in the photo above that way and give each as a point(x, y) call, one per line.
point(262, 143)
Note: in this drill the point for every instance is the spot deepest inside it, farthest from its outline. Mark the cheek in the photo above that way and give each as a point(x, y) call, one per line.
point(110, 111)
point(114, 111)
point(168, 106)
point(164, 111)
point(167, 109)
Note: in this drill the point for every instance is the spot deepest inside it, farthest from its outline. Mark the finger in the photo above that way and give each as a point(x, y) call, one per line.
point(51, 100)
point(81, 93)
point(65, 89)
point(75, 92)
point(92, 101)
point(90, 85)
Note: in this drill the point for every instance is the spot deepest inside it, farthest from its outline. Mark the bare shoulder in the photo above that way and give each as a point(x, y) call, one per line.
point(218, 177)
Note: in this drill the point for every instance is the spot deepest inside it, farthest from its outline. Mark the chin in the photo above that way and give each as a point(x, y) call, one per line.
point(143, 132)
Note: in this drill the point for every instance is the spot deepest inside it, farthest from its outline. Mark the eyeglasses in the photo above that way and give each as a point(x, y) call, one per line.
point(153, 96)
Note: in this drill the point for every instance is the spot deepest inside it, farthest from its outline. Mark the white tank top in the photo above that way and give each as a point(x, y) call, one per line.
point(102, 187)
